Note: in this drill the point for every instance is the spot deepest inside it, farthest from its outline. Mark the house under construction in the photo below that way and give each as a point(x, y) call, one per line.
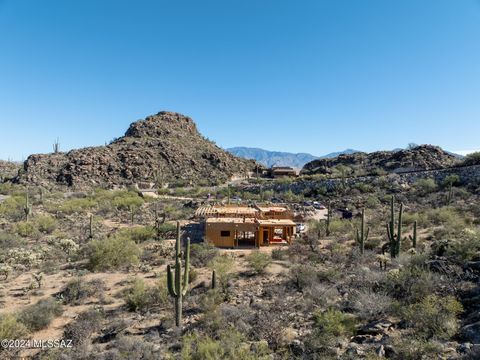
point(234, 226)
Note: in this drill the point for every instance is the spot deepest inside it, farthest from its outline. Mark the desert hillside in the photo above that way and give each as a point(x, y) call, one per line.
point(164, 148)
point(423, 157)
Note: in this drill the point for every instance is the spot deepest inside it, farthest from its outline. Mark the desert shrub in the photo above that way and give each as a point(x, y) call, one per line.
point(434, 316)
point(13, 207)
point(425, 186)
point(258, 261)
point(452, 179)
point(279, 254)
point(40, 315)
point(74, 206)
point(127, 200)
point(368, 304)
point(11, 328)
point(138, 233)
point(472, 159)
point(141, 297)
point(372, 202)
point(411, 284)
point(77, 290)
point(224, 267)
point(465, 246)
point(167, 229)
point(8, 240)
point(445, 216)
point(202, 254)
point(329, 274)
point(80, 330)
point(363, 187)
point(329, 326)
point(412, 348)
point(126, 347)
point(230, 345)
point(303, 276)
point(45, 223)
point(335, 323)
point(112, 253)
point(25, 229)
point(340, 227)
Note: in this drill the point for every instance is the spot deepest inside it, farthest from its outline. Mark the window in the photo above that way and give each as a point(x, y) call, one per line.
point(225, 233)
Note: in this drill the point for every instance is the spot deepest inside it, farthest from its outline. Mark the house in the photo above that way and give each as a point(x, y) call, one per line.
point(283, 171)
point(233, 226)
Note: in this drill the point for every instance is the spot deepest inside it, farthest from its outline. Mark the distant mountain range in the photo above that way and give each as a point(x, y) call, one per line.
point(278, 158)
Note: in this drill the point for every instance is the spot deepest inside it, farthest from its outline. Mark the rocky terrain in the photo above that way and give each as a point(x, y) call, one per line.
point(165, 148)
point(423, 157)
point(8, 169)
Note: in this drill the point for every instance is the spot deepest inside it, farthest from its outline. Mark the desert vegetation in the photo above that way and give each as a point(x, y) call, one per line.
point(109, 270)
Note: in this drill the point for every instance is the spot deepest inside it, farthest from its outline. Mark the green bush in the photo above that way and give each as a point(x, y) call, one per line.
point(46, 223)
point(230, 345)
point(141, 297)
point(472, 159)
point(40, 315)
point(334, 322)
point(434, 317)
point(112, 253)
point(166, 229)
point(466, 246)
point(202, 254)
point(138, 233)
point(74, 206)
point(127, 200)
point(11, 328)
point(425, 186)
point(258, 261)
point(25, 229)
point(77, 290)
point(13, 207)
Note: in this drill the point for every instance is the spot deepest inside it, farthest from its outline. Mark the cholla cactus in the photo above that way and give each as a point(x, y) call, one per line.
point(5, 270)
point(383, 260)
point(68, 246)
point(23, 257)
point(38, 278)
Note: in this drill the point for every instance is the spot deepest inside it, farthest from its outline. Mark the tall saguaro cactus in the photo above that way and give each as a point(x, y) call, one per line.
point(327, 230)
point(395, 240)
point(176, 287)
point(362, 235)
point(27, 209)
point(413, 238)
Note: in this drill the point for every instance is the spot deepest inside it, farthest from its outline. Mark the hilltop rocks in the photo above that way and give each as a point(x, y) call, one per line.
point(165, 147)
point(423, 157)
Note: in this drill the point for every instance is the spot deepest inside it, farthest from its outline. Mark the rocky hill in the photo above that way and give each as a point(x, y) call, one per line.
point(165, 147)
point(423, 157)
point(8, 169)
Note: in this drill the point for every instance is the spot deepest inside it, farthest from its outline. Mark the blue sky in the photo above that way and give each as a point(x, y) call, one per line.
point(303, 76)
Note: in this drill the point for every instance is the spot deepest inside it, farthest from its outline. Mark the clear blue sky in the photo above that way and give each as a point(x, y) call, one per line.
point(303, 76)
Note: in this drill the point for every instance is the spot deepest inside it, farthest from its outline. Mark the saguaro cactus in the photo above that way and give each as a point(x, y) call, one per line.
point(327, 230)
point(214, 279)
point(413, 238)
point(27, 209)
point(90, 227)
point(362, 235)
point(176, 287)
point(395, 240)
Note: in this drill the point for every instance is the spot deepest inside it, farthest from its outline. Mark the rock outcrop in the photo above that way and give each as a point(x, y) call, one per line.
point(165, 147)
point(423, 157)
